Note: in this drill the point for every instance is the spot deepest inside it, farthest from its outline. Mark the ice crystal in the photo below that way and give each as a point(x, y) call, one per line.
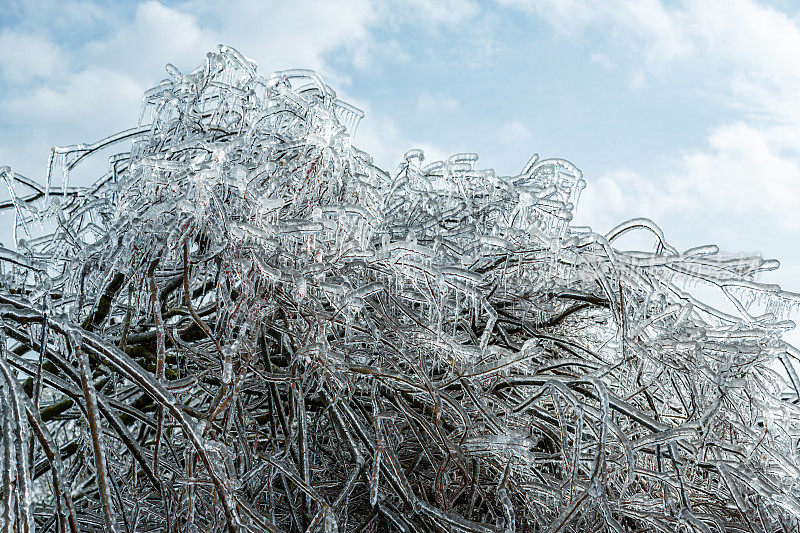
point(244, 324)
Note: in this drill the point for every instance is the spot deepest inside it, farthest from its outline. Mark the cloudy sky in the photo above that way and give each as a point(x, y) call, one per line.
point(685, 112)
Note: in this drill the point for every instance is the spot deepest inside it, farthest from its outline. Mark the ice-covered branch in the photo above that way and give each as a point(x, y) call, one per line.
point(246, 325)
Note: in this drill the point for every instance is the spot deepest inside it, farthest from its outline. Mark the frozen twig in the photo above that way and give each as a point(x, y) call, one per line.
point(252, 327)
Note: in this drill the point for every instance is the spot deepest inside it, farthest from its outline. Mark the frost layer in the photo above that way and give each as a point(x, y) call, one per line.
point(246, 325)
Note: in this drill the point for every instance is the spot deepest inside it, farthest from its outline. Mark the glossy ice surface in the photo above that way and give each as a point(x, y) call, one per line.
point(246, 325)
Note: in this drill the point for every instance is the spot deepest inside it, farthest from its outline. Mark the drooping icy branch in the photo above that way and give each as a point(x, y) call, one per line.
point(253, 326)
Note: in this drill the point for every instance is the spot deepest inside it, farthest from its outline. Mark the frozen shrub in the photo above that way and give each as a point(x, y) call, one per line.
point(244, 324)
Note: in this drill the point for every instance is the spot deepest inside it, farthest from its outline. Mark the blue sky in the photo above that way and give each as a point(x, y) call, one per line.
point(685, 112)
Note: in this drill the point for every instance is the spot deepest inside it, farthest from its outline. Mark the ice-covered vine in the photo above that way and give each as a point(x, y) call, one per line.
point(244, 324)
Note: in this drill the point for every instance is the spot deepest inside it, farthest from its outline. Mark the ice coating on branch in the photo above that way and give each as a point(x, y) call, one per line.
point(255, 328)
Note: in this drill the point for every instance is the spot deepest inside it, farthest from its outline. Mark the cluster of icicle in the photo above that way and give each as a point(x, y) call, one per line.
point(245, 325)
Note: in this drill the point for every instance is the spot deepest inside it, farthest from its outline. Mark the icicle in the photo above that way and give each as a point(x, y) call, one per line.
point(321, 323)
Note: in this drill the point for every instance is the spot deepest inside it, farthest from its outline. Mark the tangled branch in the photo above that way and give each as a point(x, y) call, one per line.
point(244, 324)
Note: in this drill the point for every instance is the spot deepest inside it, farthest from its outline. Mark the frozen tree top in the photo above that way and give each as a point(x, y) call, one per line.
point(244, 324)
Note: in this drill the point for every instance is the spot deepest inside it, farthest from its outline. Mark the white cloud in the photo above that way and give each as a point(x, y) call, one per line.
point(742, 171)
point(740, 53)
point(748, 51)
point(741, 175)
point(27, 57)
point(157, 34)
point(94, 101)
